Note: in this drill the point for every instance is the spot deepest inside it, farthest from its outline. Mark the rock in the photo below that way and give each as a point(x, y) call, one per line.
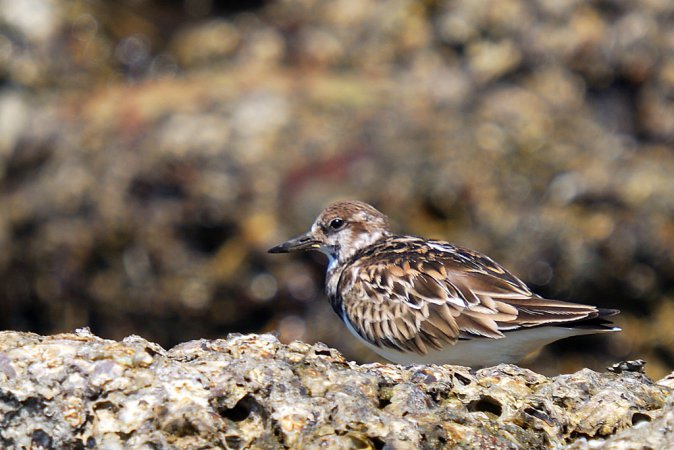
point(647, 433)
point(251, 391)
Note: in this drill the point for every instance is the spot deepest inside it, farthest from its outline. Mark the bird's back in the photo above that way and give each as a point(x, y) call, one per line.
point(409, 294)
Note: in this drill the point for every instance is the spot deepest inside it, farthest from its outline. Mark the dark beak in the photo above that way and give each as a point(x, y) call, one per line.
point(298, 244)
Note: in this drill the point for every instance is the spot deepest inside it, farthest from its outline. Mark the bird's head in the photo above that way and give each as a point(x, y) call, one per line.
point(340, 231)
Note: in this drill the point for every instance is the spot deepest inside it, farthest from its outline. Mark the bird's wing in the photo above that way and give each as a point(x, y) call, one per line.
point(427, 294)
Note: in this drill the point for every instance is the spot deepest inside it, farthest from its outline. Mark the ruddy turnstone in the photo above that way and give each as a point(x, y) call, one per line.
point(416, 300)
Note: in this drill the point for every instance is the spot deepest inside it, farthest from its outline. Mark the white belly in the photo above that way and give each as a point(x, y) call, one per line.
point(481, 352)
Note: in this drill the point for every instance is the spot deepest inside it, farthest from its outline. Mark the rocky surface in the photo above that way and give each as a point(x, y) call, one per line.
point(250, 391)
point(151, 151)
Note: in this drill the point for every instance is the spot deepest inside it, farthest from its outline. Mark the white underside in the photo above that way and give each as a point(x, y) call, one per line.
point(481, 352)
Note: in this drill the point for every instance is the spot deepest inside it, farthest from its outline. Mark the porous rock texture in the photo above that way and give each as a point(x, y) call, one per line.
point(150, 154)
point(251, 391)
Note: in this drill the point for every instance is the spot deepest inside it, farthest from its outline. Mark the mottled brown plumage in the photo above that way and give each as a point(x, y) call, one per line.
point(418, 300)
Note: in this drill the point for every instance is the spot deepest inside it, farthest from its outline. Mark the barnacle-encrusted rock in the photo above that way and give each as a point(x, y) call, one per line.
point(250, 391)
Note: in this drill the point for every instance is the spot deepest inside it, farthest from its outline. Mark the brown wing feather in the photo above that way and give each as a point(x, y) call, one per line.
point(416, 297)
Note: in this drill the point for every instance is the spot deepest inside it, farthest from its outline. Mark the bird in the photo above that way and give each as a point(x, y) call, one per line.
point(424, 301)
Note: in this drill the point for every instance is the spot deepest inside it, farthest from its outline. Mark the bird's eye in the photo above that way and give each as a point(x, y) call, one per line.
point(336, 224)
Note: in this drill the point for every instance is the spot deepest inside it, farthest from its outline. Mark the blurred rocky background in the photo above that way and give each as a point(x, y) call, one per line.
point(150, 153)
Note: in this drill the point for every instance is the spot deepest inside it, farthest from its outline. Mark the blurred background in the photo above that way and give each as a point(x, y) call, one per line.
point(151, 151)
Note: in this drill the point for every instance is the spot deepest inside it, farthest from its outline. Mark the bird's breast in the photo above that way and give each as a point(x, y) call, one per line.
point(339, 281)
